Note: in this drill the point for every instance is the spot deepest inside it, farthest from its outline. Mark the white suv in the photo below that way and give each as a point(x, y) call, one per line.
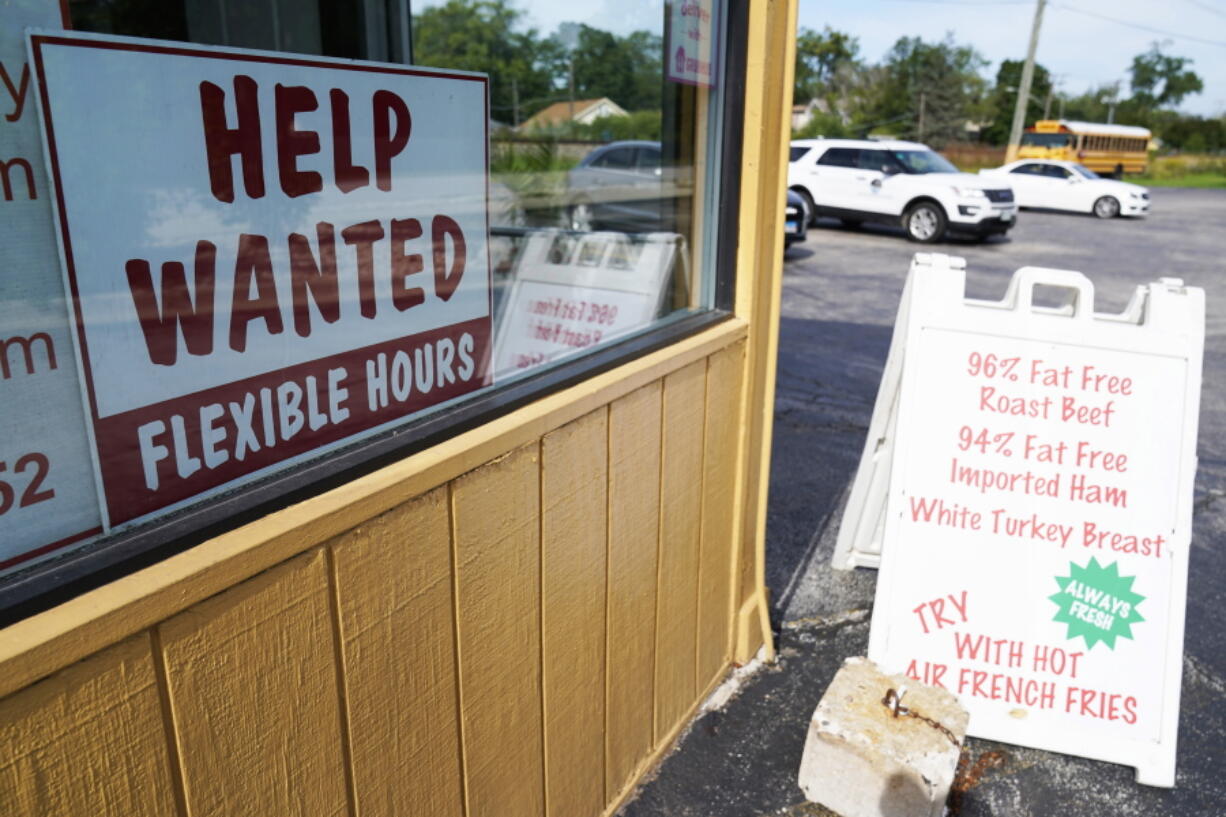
point(898, 182)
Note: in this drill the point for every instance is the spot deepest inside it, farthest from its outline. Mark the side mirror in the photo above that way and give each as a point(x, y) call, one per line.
point(889, 170)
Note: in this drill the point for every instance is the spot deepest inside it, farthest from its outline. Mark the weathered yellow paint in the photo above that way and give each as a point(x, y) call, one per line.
point(680, 514)
point(393, 579)
point(88, 740)
point(574, 485)
point(42, 644)
point(718, 505)
point(496, 533)
point(253, 692)
point(634, 532)
point(771, 51)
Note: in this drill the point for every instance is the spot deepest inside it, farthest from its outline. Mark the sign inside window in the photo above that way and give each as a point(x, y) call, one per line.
point(47, 493)
point(268, 256)
point(689, 52)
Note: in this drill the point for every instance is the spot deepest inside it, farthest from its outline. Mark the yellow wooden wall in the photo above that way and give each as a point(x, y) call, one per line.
point(521, 639)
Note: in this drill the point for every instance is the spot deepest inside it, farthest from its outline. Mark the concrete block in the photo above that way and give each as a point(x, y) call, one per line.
point(882, 745)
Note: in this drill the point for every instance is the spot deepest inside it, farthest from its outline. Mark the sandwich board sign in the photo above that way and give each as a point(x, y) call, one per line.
point(1036, 513)
point(574, 291)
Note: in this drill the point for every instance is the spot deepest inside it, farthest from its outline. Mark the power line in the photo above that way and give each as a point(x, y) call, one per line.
point(1140, 26)
point(1208, 7)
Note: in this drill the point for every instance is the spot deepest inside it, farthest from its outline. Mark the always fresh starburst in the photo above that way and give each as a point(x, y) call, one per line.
point(1097, 603)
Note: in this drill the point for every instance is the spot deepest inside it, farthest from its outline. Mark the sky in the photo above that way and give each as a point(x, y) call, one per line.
point(1083, 51)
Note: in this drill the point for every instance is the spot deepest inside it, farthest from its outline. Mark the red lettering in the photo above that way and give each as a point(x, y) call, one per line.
point(177, 309)
point(389, 142)
point(253, 258)
point(348, 175)
point(445, 283)
point(292, 143)
point(221, 142)
point(18, 92)
point(320, 280)
point(361, 237)
point(405, 265)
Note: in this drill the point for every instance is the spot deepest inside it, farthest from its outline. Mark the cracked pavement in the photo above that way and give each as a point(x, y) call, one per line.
point(840, 294)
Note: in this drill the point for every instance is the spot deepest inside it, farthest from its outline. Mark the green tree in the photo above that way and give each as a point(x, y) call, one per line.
point(1160, 80)
point(928, 91)
point(627, 70)
point(483, 35)
point(1003, 99)
point(822, 60)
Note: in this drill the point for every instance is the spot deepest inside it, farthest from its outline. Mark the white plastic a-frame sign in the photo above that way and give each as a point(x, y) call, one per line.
point(1030, 473)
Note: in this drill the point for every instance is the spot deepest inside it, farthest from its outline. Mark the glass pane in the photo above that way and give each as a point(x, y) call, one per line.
point(602, 162)
point(288, 256)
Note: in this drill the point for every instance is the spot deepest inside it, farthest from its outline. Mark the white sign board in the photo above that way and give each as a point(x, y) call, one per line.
point(690, 52)
point(1038, 513)
point(47, 492)
point(269, 255)
point(573, 291)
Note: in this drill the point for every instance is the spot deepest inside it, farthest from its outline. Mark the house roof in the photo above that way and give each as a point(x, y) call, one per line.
point(560, 112)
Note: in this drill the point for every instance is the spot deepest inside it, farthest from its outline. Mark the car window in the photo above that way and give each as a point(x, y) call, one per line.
point(618, 159)
point(923, 161)
point(840, 157)
point(880, 160)
point(797, 152)
point(1056, 172)
point(1029, 170)
point(648, 159)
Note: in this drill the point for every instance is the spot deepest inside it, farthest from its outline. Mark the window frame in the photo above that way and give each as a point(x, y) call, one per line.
point(53, 581)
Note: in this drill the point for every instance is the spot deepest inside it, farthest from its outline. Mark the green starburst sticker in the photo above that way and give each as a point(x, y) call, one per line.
point(1097, 603)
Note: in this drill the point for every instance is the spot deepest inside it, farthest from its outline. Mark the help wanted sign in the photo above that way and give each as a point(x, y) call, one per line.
point(267, 255)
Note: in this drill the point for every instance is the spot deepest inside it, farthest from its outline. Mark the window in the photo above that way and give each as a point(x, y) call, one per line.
point(879, 160)
point(1056, 172)
point(1046, 140)
point(840, 157)
point(382, 299)
point(797, 152)
point(616, 159)
point(1031, 169)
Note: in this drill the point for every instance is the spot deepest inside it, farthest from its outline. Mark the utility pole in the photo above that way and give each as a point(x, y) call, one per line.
point(1023, 91)
point(1047, 103)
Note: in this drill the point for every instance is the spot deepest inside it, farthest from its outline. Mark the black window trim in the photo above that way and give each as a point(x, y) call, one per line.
point(53, 581)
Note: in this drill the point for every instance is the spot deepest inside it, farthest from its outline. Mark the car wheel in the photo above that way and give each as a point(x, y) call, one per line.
point(924, 222)
point(581, 218)
point(1107, 207)
point(810, 207)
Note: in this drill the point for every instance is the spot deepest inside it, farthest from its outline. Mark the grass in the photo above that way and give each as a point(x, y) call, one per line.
point(1184, 171)
point(1203, 180)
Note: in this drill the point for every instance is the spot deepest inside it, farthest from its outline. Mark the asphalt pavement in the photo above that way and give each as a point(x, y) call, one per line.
point(840, 293)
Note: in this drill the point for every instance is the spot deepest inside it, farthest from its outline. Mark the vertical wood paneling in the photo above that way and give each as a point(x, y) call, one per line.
point(680, 511)
point(718, 512)
point(634, 533)
point(88, 740)
point(393, 577)
point(574, 485)
point(253, 687)
point(495, 513)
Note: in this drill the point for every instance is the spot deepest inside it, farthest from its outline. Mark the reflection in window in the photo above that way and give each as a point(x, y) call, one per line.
point(592, 157)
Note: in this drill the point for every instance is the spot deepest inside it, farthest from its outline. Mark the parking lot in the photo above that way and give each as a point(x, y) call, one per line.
point(840, 293)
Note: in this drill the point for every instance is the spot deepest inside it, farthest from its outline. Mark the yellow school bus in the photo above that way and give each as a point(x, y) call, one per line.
point(1108, 149)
